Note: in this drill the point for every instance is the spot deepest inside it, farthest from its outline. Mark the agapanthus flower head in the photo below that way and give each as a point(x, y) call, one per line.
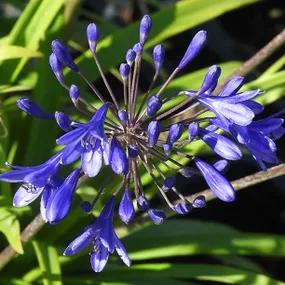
point(131, 135)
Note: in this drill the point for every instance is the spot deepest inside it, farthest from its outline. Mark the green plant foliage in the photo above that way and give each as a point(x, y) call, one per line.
point(10, 227)
point(49, 264)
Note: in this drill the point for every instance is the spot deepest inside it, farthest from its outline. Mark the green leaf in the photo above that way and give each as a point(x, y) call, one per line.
point(35, 29)
point(49, 264)
point(19, 28)
point(155, 272)
point(10, 52)
point(10, 227)
point(180, 238)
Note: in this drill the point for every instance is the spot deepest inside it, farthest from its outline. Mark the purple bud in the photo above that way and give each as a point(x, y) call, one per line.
point(157, 216)
point(92, 36)
point(125, 70)
point(154, 103)
point(56, 68)
point(194, 48)
point(145, 27)
point(169, 182)
point(182, 208)
point(153, 131)
point(130, 56)
point(126, 208)
point(193, 130)
point(143, 203)
point(167, 147)
point(31, 108)
point(199, 202)
point(211, 79)
point(86, 206)
point(175, 132)
point(138, 49)
point(63, 121)
point(133, 151)
point(123, 116)
point(186, 172)
point(74, 93)
point(63, 55)
point(118, 159)
point(158, 57)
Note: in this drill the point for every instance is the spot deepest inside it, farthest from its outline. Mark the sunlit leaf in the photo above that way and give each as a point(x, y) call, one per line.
point(10, 227)
point(10, 52)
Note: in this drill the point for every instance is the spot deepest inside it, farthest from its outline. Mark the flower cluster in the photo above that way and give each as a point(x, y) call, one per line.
point(142, 133)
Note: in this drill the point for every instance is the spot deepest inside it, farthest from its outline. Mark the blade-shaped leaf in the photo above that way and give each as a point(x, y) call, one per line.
point(49, 264)
point(10, 227)
point(10, 52)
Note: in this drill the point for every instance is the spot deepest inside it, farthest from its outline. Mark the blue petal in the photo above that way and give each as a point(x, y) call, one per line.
point(15, 176)
point(80, 242)
point(31, 108)
point(221, 145)
point(70, 137)
point(108, 211)
point(211, 79)
point(121, 251)
point(99, 258)
point(157, 216)
point(175, 132)
point(118, 159)
point(71, 152)
point(154, 104)
point(62, 54)
point(168, 183)
point(194, 48)
point(182, 208)
point(239, 98)
point(232, 86)
point(44, 201)
point(237, 113)
point(91, 161)
point(25, 195)
point(158, 57)
point(106, 236)
point(60, 201)
point(221, 165)
point(220, 186)
point(199, 202)
point(126, 208)
point(63, 121)
point(153, 131)
point(254, 106)
point(145, 26)
point(267, 125)
point(97, 121)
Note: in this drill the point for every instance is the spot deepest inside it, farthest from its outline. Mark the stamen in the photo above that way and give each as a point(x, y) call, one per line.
point(105, 80)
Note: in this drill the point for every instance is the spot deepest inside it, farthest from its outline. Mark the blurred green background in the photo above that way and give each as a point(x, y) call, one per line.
point(237, 243)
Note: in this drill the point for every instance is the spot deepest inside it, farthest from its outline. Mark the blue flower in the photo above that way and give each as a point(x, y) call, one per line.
point(104, 239)
point(144, 133)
